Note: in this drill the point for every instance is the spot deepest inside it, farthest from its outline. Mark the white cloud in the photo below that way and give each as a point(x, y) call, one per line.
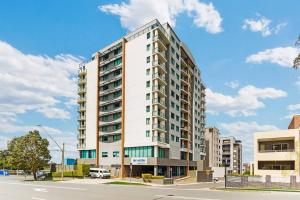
point(136, 13)
point(282, 56)
point(35, 82)
point(244, 131)
point(293, 107)
point(54, 113)
point(262, 25)
point(245, 103)
point(233, 84)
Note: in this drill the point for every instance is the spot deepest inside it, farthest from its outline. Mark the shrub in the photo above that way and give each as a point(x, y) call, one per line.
point(147, 176)
point(66, 174)
point(157, 177)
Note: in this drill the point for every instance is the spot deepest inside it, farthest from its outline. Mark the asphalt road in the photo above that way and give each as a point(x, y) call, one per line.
point(12, 188)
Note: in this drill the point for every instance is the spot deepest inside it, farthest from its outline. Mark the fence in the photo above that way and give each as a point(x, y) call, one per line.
point(292, 182)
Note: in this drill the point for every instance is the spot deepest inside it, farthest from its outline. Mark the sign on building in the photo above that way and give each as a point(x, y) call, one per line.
point(139, 161)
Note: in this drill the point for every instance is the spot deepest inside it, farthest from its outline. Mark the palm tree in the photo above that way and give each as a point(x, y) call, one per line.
point(297, 59)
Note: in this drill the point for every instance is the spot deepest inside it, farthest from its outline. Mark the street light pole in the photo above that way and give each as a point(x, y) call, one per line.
point(62, 149)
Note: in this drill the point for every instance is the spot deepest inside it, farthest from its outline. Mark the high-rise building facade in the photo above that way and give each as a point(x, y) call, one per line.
point(232, 154)
point(213, 147)
point(142, 102)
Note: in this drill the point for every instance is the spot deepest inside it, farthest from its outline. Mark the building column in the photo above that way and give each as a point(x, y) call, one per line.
point(155, 170)
point(169, 175)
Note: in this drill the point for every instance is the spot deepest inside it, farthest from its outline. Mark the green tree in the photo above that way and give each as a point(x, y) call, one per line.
point(29, 152)
point(297, 59)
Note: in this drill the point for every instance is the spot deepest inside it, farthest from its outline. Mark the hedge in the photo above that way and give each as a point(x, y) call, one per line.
point(81, 171)
point(150, 176)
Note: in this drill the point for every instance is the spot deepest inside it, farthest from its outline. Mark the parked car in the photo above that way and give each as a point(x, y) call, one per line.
point(99, 173)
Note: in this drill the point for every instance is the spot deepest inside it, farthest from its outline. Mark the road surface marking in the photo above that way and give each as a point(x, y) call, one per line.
point(36, 198)
point(182, 197)
point(40, 190)
point(43, 186)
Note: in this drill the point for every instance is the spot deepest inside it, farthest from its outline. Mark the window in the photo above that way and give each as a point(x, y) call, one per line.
point(177, 45)
point(116, 126)
point(177, 87)
point(172, 50)
point(148, 47)
point(172, 82)
point(116, 115)
point(148, 59)
point(172, 61)
point(147, 96)
point(172, 38)
point(116, 138)
point(177, 76)
point(177, 97)
point(172, 104)
point(177, 107)
point(104, 154)
point(147, 133)
point(147, 121)
point(116, 154)
point(177, 118)
point(148, 84)
point(147, 72)
point(177, 139)
point(177, 66)
point(177, 56)
point(172, 115)
point(117, 62)
point(172, 126)
point(172, 93)
point(177, 128)
point(148, 35)
point(139, 151)
point(148, 109)
point(172, 71)
point(117, 105)
point(173, 138)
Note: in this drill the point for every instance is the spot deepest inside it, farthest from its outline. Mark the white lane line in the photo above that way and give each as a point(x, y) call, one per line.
point(182, 189)
point(40, 190)
point(36, 198)
point(182, 197)
point(43, 186)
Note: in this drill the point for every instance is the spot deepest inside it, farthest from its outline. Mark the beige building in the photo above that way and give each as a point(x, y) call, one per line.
point(276, 153)
point(232, 154)
point(213, 147)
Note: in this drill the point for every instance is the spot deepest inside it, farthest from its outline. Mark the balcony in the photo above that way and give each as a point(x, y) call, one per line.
point(159, 102)
point(81, 108)
point(81, 146)
point(81, 136)
point(81, 81)
point(159, 40)
point(161, 54)
point(274, 151)
point(81, 90)
point(159, 89)
point(160, 77)
point(161, 66)
point(159, 114)
point(160, 127)
point(82, 71)
point(183, 62)
point(81, 117)
point(160, 139)
point(81, 99)
point(81, 127)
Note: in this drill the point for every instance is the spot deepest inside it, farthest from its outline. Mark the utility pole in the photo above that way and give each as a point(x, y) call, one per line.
point(62, 149)
point(63, 161)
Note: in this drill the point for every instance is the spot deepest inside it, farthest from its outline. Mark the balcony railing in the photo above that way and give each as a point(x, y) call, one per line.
point(159, 101)
point(159, 126)
point(159, 114)
point(159, 89)
point(273, 151)
point(158, 64)
point(160, 139)
point(160, 76)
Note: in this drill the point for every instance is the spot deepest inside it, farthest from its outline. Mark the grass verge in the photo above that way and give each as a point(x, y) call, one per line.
point(124, 183)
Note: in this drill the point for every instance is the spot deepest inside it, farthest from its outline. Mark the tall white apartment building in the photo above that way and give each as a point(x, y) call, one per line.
point(142, 102)
point(213, 147)
point(232, 154)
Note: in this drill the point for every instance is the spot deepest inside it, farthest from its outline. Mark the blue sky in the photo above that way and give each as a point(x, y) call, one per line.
point(244, 50)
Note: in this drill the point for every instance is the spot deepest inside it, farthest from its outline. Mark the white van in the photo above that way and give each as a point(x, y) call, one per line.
point(99, 173)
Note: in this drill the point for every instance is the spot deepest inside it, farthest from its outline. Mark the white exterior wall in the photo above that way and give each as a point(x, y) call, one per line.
point(174, 146)
point(91, 104)
point(110, 148)
point(135, 92)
